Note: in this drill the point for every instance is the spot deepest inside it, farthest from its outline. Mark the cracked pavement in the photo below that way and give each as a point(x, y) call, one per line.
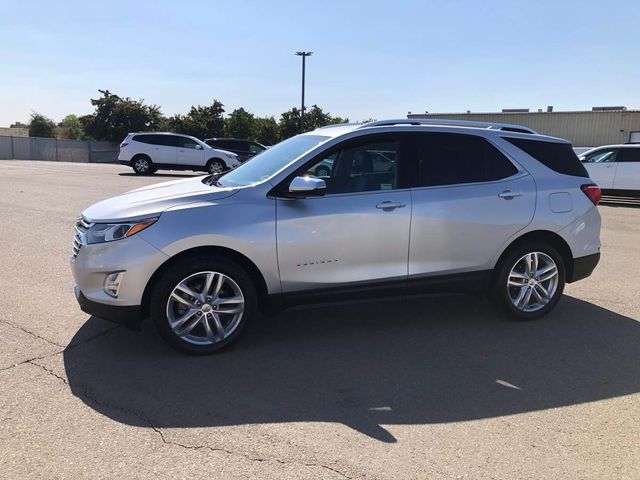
point(433, 388)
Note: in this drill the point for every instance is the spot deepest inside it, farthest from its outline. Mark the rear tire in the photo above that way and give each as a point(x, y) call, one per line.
point(142, 165)
point(529, 281)
point(210, 319)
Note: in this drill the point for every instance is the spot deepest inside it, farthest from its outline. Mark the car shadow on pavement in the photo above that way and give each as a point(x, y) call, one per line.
point(442, 359)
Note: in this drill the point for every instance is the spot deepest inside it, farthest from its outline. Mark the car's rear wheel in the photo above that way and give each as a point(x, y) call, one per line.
point(322, 171)
point(201, 304)
point(529, 281)
point(142, 165)
point(216, 166)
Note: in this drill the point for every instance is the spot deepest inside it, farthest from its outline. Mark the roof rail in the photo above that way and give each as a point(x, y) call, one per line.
point(507, 127)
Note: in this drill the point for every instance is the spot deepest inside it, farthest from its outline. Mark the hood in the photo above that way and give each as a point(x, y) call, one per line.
point(154, 199)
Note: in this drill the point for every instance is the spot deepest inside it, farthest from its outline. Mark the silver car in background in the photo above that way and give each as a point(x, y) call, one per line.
point(458, 206)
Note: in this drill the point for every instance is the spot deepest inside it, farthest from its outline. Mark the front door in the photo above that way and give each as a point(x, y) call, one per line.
point(602, 166)
point(190, 153)
point(356, 236)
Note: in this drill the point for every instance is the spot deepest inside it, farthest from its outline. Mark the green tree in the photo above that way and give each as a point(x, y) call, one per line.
point(18, 125)
point(41, 126)
point(201, 121)
point(72, 126)
point(266, 131)
point(115, 117)
point(289, 124)
point(240, 124)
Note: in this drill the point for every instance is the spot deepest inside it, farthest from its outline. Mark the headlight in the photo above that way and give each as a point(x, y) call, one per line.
point(108, 232)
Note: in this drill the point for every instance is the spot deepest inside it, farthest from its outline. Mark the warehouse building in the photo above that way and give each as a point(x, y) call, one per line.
point(592, 128)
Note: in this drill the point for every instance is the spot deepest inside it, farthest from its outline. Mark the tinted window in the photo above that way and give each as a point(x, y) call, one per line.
point(450, 159)
point(559, 157)
point(601, 156)
point(362, 167)
point(184, 142)
point(254, 148)
point(144, 139)
point(166, 140)
point(628, 155)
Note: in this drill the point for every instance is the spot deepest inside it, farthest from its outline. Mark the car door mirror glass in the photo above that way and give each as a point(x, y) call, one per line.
point(307, 186)
point(198, 147)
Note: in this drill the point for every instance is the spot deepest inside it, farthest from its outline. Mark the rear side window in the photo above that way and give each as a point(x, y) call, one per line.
point(151, 139)
point(628, 155)
point(143, 138)
point(450, 159)
point(559, 157)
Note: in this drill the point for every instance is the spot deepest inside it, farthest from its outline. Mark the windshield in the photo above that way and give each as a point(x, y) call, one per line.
point(269, 162)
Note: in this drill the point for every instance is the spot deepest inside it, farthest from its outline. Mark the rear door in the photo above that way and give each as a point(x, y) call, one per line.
point(602, 166)
point(189, 152)
point(468, 200)
point(628, 169)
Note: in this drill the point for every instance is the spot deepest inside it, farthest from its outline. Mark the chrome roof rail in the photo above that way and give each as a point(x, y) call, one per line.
point(508, 127)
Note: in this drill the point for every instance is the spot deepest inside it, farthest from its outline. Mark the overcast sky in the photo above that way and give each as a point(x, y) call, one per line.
point(371, 58)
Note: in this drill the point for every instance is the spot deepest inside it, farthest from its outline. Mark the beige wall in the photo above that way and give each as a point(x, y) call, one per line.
point(14, 132)
point(583, 129)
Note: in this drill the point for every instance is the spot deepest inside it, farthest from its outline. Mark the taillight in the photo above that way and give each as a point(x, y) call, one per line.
point(124, 144)
point(593, 192)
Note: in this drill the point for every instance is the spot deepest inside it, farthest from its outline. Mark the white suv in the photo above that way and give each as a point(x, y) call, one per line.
point(148, 152)
point(615, 168)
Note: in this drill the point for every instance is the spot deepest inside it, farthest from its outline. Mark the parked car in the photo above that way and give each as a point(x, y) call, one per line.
point(480, 207)
point(245, 149)
point(615, 168)
point(148, 152)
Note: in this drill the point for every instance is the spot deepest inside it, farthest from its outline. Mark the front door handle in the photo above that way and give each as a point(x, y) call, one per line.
point(388, 205)
point(508, 194)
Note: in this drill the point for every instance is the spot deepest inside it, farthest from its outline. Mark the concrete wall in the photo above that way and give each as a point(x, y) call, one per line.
point(57, 150)
point(14, 132)
point(583, 129)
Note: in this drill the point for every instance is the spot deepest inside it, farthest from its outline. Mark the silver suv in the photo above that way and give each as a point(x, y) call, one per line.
point(455, 206)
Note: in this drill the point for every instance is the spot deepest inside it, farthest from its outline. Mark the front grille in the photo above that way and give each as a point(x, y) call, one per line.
point(79, 239)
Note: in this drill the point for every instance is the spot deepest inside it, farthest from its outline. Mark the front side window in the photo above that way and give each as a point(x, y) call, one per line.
point(363, 167)
point(451, 159)
point(601, 156)
point(184, 142)
point(255, 149)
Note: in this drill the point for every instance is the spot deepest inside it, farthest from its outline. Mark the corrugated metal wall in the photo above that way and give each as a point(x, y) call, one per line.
point(583, 129)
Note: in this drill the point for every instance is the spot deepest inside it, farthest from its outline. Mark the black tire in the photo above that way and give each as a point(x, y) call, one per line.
point(215, 166)
point(502, 293)
point(153, 169)
point(176, 273)
point(142, 165)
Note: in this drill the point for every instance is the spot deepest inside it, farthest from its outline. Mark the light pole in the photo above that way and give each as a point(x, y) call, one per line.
point(304, 55)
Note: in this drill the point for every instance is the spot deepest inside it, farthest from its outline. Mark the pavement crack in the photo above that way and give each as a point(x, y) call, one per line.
point(17, 327)
point(82, 390)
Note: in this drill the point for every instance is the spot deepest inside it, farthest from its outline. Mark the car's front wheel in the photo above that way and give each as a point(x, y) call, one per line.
point(201, 304)
point(529, 281)
point(216, 166)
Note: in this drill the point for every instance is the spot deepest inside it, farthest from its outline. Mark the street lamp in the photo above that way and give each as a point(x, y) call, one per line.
point(304, 55)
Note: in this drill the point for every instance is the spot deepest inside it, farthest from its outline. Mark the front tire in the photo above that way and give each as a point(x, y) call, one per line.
point(203, 304)
point(216, 166)
point(529, 281)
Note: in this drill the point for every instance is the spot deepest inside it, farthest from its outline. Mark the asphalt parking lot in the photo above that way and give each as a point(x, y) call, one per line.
point(433, 388)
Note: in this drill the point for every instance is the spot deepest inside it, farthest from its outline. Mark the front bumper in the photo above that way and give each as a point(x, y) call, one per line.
point(129, 315)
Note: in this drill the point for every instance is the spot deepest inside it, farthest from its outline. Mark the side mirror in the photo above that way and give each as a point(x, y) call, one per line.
point(307, 186)
point(198, 147)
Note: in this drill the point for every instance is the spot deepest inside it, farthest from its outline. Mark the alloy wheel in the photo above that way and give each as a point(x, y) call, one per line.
point(205, 308)
point(532, 282)
point(141, 165)
point(216, 167)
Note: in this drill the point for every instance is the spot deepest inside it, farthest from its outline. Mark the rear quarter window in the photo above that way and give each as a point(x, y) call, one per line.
point(559, 157)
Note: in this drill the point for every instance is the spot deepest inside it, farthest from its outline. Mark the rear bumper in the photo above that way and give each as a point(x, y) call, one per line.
point(583, 267)
point(130, 315)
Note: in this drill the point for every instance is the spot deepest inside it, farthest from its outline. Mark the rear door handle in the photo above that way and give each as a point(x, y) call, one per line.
point(388, 205)
point(508, 194)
